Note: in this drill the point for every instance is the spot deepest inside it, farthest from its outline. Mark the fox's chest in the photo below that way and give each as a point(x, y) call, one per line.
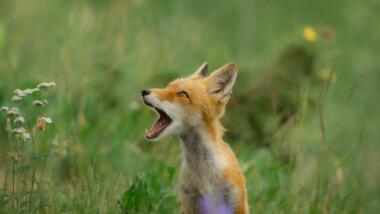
point(199, 191)
point(202, 179)
point(202, 167)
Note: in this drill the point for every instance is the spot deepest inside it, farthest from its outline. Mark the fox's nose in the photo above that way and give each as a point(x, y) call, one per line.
point(145, 92)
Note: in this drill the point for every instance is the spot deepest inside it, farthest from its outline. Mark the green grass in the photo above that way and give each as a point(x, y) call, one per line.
point(102, 53)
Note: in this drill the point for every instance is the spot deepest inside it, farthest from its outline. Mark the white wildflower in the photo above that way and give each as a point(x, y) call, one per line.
point(19, 120)
point(4, 109)
point(25, 136)
point(26, 92)
point(19, 130)
point(43, 85)
point(13, 112)
point(16, 98)
point(21, 134)
point(31, 90)
point(52, 84)
point(46, 85)
point(19, 93)
point(38, 103)
point(47, 120)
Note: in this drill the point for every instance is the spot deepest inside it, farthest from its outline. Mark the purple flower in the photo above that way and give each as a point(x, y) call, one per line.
point(208, 206)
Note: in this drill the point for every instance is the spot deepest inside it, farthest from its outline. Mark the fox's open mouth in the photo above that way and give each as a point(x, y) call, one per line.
point(160, 125)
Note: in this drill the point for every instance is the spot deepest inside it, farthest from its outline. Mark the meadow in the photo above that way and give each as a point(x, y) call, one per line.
point(303, 120)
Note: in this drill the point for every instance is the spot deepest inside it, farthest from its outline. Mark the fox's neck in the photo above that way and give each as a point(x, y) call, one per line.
point(199, 147)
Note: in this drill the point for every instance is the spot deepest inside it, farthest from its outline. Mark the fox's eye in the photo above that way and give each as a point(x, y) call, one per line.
point(183, 94)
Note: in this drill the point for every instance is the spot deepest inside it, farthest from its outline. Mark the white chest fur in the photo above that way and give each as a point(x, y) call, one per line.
point(202, 163)
point(203, 166)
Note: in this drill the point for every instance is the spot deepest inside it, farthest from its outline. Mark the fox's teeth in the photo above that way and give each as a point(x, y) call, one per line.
point(146, 131)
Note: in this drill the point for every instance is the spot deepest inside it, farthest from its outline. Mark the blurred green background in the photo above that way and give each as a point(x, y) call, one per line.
point(303, 121)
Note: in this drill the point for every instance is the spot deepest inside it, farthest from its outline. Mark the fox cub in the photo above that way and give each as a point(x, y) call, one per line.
point(211, 180)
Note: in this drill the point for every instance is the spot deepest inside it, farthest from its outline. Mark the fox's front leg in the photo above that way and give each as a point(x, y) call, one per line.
point(190, 197)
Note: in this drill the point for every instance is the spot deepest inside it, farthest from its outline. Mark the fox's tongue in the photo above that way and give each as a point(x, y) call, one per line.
point(158, 127)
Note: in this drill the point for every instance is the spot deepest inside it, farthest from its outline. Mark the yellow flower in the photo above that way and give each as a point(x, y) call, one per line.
point(309, 34)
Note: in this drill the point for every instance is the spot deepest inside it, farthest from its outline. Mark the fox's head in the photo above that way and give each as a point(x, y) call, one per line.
point(197, 101)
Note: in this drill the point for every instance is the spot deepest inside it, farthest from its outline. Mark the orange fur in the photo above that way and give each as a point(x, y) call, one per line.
point(210, 108)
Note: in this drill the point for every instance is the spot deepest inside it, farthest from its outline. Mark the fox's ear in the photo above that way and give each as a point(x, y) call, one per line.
point(202, 71)
point(221, 82)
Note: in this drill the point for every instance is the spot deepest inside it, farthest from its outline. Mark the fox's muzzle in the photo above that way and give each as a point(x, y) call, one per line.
point(145, 92)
